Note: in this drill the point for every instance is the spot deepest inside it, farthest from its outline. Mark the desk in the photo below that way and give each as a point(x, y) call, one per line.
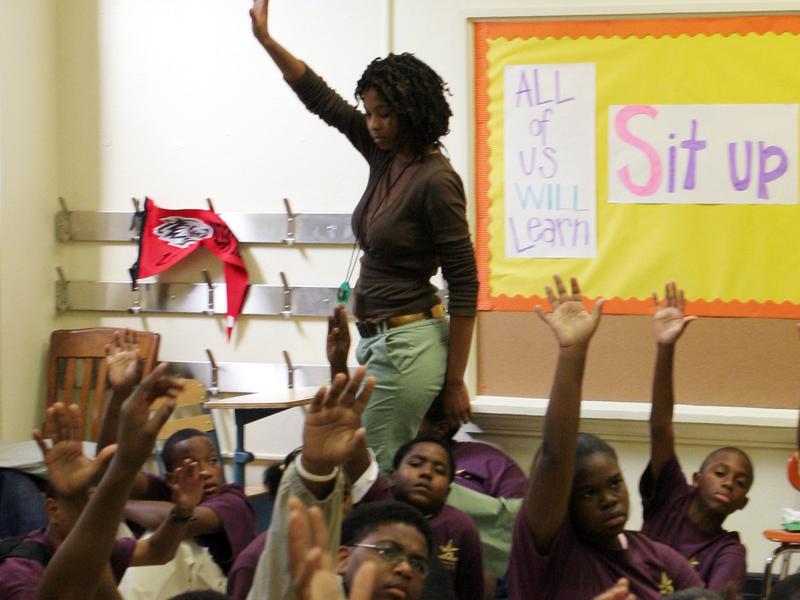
point(252, 407)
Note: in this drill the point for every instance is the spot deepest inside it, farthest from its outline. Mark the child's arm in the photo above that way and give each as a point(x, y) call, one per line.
point(187, 491)
point(670, 323)
point(337, 344)
point(124, 372)
point(151, 514)
point(75, 569)
point(332, 431)
point(547, 498)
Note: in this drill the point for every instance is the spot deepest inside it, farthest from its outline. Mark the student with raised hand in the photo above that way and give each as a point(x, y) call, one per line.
point(410, 220)
point(78, 567)
point(569, 539)
point(331, 431)
point(687, 517)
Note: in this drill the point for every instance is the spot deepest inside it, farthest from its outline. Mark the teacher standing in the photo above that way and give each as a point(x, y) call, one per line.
point(410, 220)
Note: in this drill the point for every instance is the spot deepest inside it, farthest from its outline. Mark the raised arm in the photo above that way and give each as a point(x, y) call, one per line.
point(670, 323)
point(124, 372)
point(291, 67)
point(332, 432)
point(75, 569)
point(547, 499)
point(187, 492)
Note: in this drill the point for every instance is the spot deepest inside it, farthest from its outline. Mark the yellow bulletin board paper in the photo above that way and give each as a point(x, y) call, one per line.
point(734, 260)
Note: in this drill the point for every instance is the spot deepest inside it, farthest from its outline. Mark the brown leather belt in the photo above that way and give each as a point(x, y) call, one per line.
point(369, 329)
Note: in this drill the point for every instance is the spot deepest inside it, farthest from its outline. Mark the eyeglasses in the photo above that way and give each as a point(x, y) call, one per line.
point(395, 555)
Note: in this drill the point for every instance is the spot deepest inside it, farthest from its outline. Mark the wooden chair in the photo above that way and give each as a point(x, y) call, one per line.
point(189, 414)
point(77, 370)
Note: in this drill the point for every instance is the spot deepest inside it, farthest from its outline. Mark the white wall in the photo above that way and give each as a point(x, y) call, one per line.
point(101, 100)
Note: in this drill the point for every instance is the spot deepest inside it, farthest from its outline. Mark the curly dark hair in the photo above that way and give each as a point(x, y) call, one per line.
point(416, 94)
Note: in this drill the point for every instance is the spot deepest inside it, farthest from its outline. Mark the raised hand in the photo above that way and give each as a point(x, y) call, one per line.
point(70, 471)
point(669, 319)
point(122, 357)
point(187, 487)
point(337, 345)
point(332, 428)
point(137, 429)
point(570, 322)
point(259, 16)
point(313, 575)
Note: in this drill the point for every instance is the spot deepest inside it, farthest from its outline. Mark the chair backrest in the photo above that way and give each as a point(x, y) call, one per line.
point(189, 400)
point(189, 414)
point(77, 369)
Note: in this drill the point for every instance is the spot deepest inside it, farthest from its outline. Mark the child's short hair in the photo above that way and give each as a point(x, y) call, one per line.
point(169, 446)
point(367, 517)
point(589, 443)
point(403, 450)
point(732, 449)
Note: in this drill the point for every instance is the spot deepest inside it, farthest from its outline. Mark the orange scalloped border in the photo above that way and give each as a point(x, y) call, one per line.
point(484, 31)
point(636, 306)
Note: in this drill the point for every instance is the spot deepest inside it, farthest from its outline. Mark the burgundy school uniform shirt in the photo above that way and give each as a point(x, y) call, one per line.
point(486, 469)
point(574, 569)
point(457, 541)
point(234, 513)
point(20, 577)
point(240, 579)
point(719, 558)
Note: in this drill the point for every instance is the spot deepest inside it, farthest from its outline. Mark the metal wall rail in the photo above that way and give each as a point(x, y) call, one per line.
point(201, 298)
point(250, 228)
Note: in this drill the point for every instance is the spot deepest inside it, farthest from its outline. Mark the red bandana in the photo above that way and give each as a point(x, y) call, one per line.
point(169, 236)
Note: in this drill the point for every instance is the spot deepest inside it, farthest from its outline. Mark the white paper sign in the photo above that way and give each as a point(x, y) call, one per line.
point(550, 179)
point(703, 153)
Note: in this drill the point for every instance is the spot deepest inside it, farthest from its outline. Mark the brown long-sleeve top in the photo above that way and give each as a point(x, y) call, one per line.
point(407, 223)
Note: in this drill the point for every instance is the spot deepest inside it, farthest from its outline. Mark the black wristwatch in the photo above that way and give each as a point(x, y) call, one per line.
point(179, 519)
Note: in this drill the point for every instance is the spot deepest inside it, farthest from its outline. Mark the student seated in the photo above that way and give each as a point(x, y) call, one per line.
point(569, 539)
point(71, 474)
point(79, 569)
point(224, 522)
point(688, 517)
point(394, 537)
point(478, 466)
point(422, 471)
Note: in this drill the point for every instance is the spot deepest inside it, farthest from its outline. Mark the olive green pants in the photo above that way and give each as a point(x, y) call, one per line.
point(409, 364)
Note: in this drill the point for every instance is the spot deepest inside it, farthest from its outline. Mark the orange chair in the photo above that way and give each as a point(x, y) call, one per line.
point(789, 541)
point(76, 364)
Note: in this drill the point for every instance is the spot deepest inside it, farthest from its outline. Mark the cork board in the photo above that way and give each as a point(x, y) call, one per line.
point(719, 361)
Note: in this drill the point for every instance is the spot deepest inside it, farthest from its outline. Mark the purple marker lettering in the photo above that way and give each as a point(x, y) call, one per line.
point(559, 99)
point(740, 184)
point(693, 145)
point(537, 89)
point(523, 88)
point(764, 176)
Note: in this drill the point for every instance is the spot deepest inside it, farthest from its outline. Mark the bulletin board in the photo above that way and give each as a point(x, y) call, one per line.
point(629, 152)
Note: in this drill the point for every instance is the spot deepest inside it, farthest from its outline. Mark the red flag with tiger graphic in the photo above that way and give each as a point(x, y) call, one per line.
point(168, 236)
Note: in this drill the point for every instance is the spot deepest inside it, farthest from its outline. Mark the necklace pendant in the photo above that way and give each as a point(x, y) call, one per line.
point(343, 293)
